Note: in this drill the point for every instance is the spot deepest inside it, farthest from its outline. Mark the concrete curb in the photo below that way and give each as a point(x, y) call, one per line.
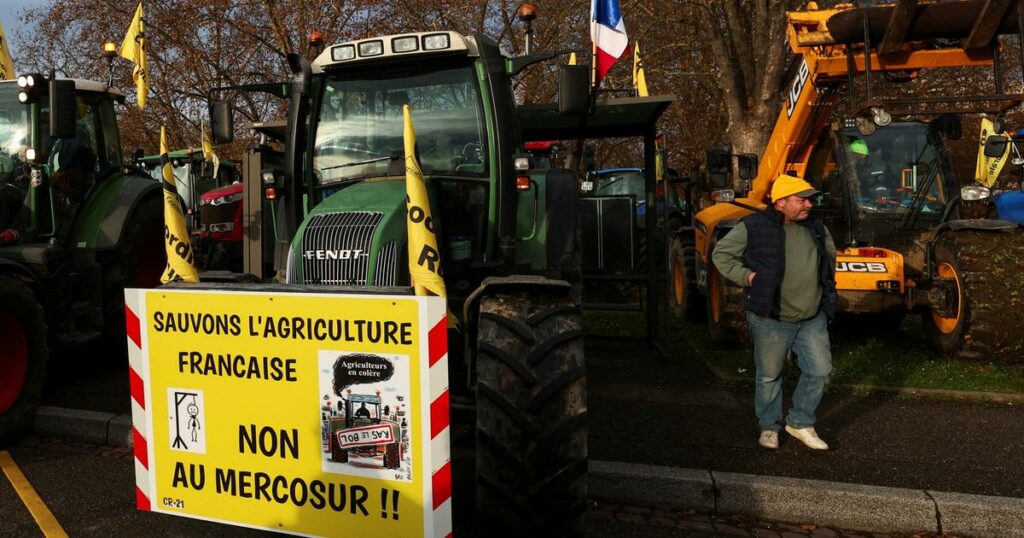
point(80, 425)
point(848, 506)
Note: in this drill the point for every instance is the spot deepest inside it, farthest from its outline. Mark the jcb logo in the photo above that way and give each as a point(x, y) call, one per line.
point(797, 88)
point(861, 267)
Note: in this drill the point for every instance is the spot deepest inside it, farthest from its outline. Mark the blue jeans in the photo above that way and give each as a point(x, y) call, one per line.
point(772, 340)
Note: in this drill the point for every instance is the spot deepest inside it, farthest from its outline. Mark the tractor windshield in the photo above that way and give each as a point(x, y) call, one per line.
point(14, 133)
point(359, 129)
point(894, 166)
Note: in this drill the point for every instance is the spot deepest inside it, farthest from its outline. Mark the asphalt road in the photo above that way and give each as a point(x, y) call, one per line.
point(648, 409)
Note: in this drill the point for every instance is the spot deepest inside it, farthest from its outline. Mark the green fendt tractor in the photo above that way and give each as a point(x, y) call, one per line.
point(76, 228)
point(507, 234)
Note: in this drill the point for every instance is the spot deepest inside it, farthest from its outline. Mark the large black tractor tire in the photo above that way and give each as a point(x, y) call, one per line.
point(392, 456)
point(984, 269)
point(727, 322)
point(138, 262)
point(23, 356)
point(685, 297)
point(531, 438)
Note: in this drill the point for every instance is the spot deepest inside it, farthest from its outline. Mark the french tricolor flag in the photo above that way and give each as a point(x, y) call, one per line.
point(608, 33)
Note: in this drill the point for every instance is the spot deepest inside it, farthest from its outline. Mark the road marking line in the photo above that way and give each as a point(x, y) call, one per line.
point(43, 516)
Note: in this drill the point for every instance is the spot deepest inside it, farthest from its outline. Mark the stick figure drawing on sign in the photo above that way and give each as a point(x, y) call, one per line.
point(193, 421)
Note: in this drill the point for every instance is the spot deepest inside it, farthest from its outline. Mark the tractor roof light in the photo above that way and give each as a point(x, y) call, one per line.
point(436, 42)
point(405, 44)
point(371, 48)
point(522, 162)
point(974, 193)
point(109, 49)
point(343, 52)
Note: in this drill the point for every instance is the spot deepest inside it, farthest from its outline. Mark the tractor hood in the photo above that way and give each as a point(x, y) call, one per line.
point(221, 192)
point(354, 237)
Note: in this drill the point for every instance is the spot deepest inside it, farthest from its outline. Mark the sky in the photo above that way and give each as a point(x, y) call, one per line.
point(9, 10)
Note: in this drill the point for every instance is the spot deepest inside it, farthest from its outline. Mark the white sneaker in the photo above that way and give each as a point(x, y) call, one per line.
point(769, 439)
point(808, 437)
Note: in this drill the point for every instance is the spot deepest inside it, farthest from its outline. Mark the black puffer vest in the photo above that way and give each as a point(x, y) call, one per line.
point(765, 254)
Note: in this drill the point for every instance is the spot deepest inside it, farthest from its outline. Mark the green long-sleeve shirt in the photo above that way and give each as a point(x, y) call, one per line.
point(800, 293)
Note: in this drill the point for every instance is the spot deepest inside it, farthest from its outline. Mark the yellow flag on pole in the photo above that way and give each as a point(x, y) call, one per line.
point(424, 257)
point(134, 49)
point(987, 169)
point(639, 80)
point(572, 58)
point(6, 64)
point(179, 249)
point(208, 152)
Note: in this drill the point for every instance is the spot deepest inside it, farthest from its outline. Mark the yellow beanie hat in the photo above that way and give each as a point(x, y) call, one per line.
point(786, 185)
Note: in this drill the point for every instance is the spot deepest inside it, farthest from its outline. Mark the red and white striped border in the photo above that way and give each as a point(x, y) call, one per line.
point(440, 431)
point(136, 372)
point(438, 448)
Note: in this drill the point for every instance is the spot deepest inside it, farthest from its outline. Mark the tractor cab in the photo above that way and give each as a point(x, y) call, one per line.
point(362, 410)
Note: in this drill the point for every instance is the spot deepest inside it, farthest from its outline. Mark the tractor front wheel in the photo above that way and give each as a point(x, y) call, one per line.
point(23, 355)
point(985, 320)
point(686, 298)
point(531, 436)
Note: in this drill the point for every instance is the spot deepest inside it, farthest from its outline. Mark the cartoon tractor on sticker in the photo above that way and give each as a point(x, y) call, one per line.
point(364, 432)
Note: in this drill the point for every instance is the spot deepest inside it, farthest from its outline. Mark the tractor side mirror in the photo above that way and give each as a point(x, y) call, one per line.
point(747, 164)
point(589, 161)
point(63, 111)
point(222, 127)
point(995, 146)
point(573, 90)
point(206, 170)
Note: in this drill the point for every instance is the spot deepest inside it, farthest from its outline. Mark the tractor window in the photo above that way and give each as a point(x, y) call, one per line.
point(14, 132)
point(360, 125)
point(111, 138)
point(893, 166)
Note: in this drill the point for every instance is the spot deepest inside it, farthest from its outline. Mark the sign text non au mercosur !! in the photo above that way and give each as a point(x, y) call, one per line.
point(308, 413)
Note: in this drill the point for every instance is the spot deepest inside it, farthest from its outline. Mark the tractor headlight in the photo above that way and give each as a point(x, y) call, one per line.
point(26, 81)
point(221, 200)
point(22, 97)
point(723, 195)
point(30, 154)
point(973, 193)
point(522, 163)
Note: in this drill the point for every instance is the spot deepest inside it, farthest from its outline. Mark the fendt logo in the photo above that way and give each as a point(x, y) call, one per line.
point(337, 254)
point(861, 267)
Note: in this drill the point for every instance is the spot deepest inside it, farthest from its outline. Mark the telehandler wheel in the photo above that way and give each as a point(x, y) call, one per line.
point(724, 305)
point(687, 301)
point(138, 262)
point(531, 435)
point(23, 356)
point(987, 320)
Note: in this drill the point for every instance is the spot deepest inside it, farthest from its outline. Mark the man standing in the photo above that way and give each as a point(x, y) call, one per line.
point(786, 260)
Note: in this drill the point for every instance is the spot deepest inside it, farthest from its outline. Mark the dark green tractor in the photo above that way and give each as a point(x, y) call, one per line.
point(507, 230)
point(76, 228)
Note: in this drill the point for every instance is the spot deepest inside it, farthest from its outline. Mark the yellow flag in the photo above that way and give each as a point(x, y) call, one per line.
point(179, 249)
point(134, 49)
point(572, 58)
point(987, 169)
point(424, 258)
point(6, 65)
point(208, 153)
point(639, 80)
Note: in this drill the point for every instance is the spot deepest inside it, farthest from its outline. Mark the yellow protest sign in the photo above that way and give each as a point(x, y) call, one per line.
point(316, 414)
point(424, 257)
point(987, 169)
point(180, 258)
